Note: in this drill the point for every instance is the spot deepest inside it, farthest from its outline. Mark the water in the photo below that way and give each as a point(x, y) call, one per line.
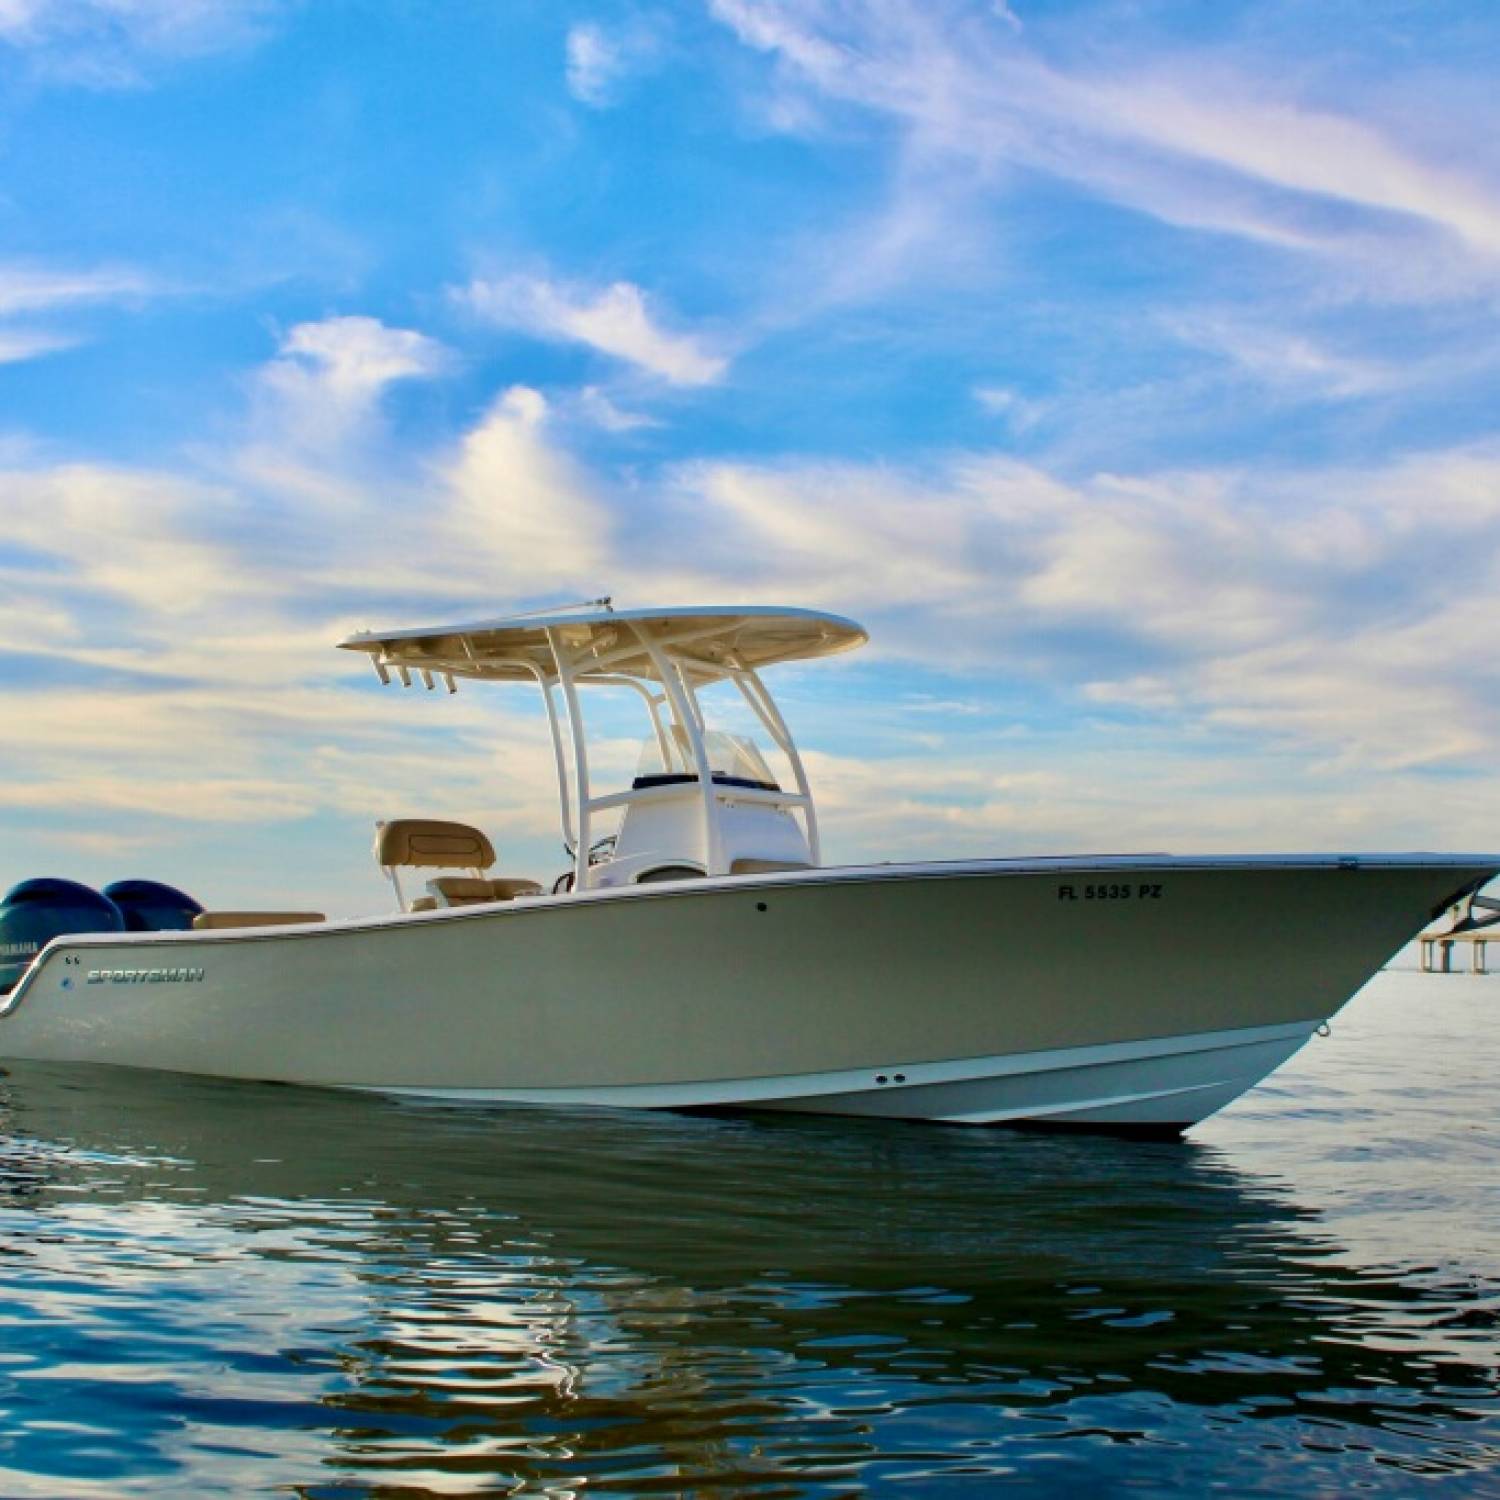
point(218, 1288)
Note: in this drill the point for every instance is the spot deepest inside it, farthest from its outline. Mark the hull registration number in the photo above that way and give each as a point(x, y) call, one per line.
point(1122, 890)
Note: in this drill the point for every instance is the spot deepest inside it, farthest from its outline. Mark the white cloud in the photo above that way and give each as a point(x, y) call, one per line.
point(1186, 625)
point(329, 377)
point(138, 538)
point(602, 60)
point(195, 686)
point(355, 358)
point(597, 407)
point(28, 289)
point(108, 43)
point(499, 511)
point(18, 344)
point(829, 531)
point(615, 320)
point(1017, 410)
point(31, 288)
point(1306, 150)
point(522, 519)
point(1288, 360)
point(596, 63)
point(1309, 610)
point(1195, 140)
point(1137, 792)
point(19, 17)
point(216, 799)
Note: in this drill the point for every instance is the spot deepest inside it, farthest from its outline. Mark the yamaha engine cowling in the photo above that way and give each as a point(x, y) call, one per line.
point(36, 911)
point(150, 906)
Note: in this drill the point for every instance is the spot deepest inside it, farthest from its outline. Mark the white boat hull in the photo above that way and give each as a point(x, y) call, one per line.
point(1113, 994)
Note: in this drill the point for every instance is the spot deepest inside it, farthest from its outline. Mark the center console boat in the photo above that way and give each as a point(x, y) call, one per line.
point(697, 953)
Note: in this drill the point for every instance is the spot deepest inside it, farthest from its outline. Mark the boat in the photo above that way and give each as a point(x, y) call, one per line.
point(696, 952)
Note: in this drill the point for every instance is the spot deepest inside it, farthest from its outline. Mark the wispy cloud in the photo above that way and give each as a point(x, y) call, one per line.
point(1019, 411)
point(328, 378)
point(353, 359)
point(115, 536)
point(521, 514)
point(1186, 267)
point(1227, 121)
point(1314, 613)
point(592, 64)
point(18, 344)
point(1306, 608)
point(1317, 608)
point(28, 290)
point(597, 406)
point(191, 623)
point(616, 320)
point(1187, 138)
point(602, 59)
point(495, 510)
point(1282, 359)
point(36, 288)
point(109, 43)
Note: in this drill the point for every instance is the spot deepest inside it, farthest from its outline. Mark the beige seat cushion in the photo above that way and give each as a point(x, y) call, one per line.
point(206, 920)
point(432, 843)
point(465, 890)
point(766, 866)
point(423, 903)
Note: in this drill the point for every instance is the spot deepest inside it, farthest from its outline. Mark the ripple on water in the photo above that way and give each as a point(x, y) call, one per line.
point(217, 1287)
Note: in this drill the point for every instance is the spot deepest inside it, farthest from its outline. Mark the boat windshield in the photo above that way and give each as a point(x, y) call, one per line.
point(732, 758)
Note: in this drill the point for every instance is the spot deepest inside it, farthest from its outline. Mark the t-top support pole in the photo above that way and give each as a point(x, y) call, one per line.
point(756, 694)
point(580, 758)
point(687, 720)
point(570, 840)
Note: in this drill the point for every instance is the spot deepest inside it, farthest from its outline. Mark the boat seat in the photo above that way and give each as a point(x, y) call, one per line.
point(209, 920)
point(430, 843)
point(467, 890)
point(434, 844)
point(766, 866)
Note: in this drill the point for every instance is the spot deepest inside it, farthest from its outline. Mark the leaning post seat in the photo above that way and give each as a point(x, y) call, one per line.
point(430, 843)
point(433, 844)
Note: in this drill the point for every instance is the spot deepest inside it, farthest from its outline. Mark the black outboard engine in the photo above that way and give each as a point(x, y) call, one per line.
point(150, 906)
point(38, 910)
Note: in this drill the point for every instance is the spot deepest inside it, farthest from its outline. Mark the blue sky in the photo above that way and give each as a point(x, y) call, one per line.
point(1130, 369)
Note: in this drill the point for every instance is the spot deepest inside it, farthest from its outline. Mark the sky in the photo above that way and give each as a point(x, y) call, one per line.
point(1130, 368)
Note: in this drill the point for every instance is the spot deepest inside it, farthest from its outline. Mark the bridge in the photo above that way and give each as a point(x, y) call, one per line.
point(1476, 921)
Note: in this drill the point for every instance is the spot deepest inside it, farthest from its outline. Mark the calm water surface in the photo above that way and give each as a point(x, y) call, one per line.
point(219, 1288)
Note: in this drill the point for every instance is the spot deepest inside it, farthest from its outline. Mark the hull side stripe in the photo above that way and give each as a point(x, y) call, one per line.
point(860, 1080)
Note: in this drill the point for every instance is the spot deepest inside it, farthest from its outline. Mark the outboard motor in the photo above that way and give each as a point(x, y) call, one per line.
point(150, 906)
point(36, 911)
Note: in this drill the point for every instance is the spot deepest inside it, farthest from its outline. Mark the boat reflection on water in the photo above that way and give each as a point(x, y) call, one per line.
point(219, 1285)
